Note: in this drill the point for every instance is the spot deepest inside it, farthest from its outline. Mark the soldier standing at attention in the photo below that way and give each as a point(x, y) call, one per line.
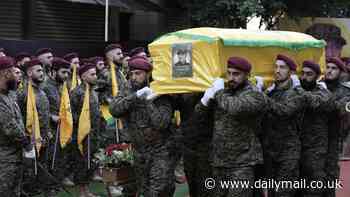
point(12, 134)
point(59, 74)
point(149, 121)
point(90, 143)
point(45, 56)
point(35, 75)
point(237, 111)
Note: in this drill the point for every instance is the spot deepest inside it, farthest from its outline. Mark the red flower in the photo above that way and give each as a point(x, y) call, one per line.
point(113, 147)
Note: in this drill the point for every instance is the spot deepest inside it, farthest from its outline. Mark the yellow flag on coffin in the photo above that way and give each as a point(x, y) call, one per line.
point(32, 119)
point(75, 79)
point(84, 125)
point(114, 80)
point(66, 118)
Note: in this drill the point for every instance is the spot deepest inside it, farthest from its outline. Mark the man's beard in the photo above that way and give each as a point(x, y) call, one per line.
point(12, 85)
point(37, 81)
point(59, 80)
point(137, 86)
point(306, 85)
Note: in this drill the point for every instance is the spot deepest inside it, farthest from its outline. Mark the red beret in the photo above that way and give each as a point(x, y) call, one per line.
point(6, 62)
point(59, 63)
point(136, 50)
point(68, 57)
point(239, 63)
point(85, 67)
point(310, 64)
point(139, 63)
point(111, 47)
point(290, 63)
point(96, 59)
point(337, 62)
point(22, 55)
point(31, 63)
point(43, 51)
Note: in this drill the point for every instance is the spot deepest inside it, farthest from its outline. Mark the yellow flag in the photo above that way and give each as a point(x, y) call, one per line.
point(66, 118)
point(84, 120)
point(32, 119)
point(114, 80)
point(75, 79)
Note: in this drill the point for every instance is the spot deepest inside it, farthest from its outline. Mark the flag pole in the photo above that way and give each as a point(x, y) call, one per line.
point(106, 20)
point(88, 139)
point(55, 146)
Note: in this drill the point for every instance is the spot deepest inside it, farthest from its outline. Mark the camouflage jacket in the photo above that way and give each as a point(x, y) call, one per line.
point(42, 106)
point(315, 124)
point(104, 85)
point(282, 123)
point(77, 100)
point(53, 93)
point(148, 121)
point(12, 132)
point(237, 118)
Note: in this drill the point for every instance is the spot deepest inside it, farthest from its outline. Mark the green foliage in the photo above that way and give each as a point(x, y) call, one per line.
point(236, 13)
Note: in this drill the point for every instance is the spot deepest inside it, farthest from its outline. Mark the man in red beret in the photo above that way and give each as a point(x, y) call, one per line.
point(2, 52)
point(60, 71)
point(236, 148)
point(315, 127)
point(12, 131)
point(82, 173)
point(341, 120)
point(45, 56)
point(35, 75)
point(148, 118)
point(281, 138)
point(345, 76)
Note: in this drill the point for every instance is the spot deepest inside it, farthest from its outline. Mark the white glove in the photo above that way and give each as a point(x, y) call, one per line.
point(259, 83)
point(218, 84)
point(29, 154)
point(323, 84)
point(144, 92)
point(152, 96)
point(295, 80)
point(209, 94)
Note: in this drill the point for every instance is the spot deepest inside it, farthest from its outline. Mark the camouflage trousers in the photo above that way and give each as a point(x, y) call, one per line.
point(155, 173)
point(10, 174)
point(245, 174)
point(312, 168)
point(282, 169)
point(197, 170)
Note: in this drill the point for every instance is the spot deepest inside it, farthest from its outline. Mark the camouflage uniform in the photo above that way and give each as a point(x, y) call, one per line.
point(82, 173)
point(235, 146)
point(104, 88)
point(196, 145)
point(339, 129)
point(314, 140)
point(12, 139)
point(62, 161)
point(43, 108)
point(149, 130)
point(281, 142)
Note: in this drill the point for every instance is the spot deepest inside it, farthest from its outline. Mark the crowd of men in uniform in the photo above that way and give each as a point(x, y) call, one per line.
point(235, 131)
